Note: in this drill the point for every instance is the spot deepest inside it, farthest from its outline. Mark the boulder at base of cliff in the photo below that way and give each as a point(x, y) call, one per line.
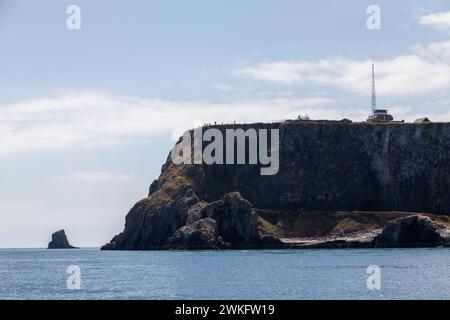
point(59, 241)
point(413, 231)
point(201, 235)
point(236, 223)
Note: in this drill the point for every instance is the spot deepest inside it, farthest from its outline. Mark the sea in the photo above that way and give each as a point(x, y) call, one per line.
point(345, 274)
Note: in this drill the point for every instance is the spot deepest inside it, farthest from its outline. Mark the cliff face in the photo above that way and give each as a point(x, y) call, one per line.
point(324, 166)
point(330, 166)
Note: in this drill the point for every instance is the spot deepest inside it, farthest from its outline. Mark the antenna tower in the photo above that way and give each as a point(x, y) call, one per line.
point(374, 95)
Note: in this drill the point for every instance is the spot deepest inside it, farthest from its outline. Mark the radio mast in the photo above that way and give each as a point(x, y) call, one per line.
point(374, 95)
point(377, 115)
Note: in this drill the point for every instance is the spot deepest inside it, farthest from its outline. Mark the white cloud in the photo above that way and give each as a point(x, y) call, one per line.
point(282, 72)
point(95, 177)
point(437, 51)
point(425, 69)
point(439, 20)
point(224, 87)
point(95, 118)
point(402, 112)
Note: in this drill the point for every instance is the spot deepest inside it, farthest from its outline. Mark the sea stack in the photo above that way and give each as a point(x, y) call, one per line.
point(59, 241)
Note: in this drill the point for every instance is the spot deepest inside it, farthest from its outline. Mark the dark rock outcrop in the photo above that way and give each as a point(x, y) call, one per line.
point(190, 223)
point(223, 224)
point(201, 234)
point(325, 166)
point(150, 224)
point(59, 241)
point(235, 222)
point(413, 231)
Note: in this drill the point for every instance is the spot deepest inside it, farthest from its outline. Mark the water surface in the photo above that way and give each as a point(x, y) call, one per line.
point(261, 274)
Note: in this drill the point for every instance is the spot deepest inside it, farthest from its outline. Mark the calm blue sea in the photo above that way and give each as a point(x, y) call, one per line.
point(264, 274)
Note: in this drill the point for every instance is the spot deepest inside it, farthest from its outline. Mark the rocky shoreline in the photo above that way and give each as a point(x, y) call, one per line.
point(231, 223)
point(413, 231)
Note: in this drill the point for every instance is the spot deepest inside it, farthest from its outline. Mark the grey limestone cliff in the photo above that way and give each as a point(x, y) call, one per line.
point(334, 179)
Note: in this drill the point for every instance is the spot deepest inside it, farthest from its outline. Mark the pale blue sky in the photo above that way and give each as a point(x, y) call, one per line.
point(86, 116)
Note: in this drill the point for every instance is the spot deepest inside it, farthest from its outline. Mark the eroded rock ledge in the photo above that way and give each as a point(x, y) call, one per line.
point(339, 185)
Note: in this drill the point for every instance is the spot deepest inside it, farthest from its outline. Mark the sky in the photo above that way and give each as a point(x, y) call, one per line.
point(88, 116)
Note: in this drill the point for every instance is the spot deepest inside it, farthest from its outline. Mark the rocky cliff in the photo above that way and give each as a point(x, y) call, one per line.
point(335, 179)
